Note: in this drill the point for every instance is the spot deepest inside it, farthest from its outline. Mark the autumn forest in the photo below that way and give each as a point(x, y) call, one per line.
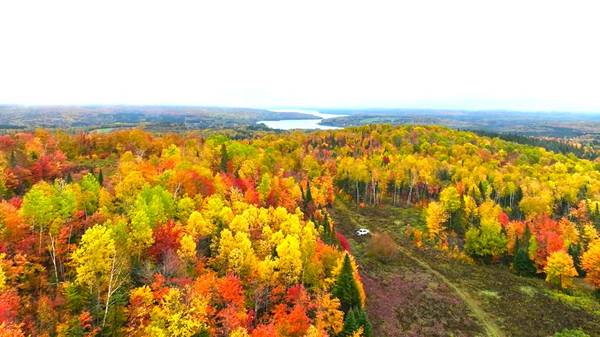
point(252, 233)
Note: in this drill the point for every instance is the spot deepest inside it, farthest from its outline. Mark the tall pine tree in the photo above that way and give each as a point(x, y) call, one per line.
point(309, 198)
point(350, 323)
point(100, 177)
point(354, 320)
point(522, 264)
point(224, 158)
point(345, 288)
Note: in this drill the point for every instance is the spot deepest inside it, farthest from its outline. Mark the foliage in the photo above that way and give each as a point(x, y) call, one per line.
point(522, 264)
point(356, 323)
point(560, 270)
point(436, 218)
point(571, 333)
point(345, 287)
point(591, 264)
point(93, 258)
point(382, 246)
point(487, 241)
point(206, 232)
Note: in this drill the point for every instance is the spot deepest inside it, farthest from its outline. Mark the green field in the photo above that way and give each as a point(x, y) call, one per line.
point(423, 292)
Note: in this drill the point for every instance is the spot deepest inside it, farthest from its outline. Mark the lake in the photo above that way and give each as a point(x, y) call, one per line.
point(304, 124)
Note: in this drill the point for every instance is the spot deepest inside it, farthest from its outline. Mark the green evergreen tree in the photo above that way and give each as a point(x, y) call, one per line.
point(224, 158)
point(100, 177)
point(482, 190)
point(363, 320)
point(515, 210)
point(522, 264)
point(345, 287)
point(309, 198)
point(350, 323)
point(354, 319)
point(575, 251)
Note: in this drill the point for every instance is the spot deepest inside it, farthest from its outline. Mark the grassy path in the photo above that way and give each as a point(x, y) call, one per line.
point(486, 321)
point(491, 328)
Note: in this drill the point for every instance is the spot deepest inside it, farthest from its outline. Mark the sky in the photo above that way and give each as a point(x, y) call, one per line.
point(518, 55)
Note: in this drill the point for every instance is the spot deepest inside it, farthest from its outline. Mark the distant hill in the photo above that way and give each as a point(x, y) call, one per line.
point(556, 124)
point(20, 116)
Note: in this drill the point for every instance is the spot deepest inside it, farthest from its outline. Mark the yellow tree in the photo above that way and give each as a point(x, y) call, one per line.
point(140, 234)
point(313, 331)
point(127, 189)
point(98, 268)
point(450, 198)
point(239, 332)
point(289, 259)
point(176, 317)
point(235, 253)
point(329, 316)
point(591, 264)
point(198, 226)
point(487, 240)
point(38, 208)
point(560, 270)
point(187, 249)
point(436, 217)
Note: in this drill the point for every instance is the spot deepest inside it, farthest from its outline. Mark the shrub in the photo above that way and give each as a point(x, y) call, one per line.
point(383, 247)
point(571, 333)
point(522, 264)
point(343, 241)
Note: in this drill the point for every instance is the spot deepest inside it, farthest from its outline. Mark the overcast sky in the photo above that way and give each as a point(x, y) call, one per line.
point(530, 55)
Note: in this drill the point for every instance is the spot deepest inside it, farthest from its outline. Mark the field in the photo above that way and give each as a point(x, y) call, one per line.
point(425, 293)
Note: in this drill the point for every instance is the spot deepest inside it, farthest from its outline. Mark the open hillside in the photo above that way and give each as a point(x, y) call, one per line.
point(252, 233)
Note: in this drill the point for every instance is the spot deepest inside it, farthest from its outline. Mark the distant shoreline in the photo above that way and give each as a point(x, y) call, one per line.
point(301, 124)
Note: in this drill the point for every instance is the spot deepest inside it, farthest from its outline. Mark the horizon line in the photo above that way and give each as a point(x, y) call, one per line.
point(307, 108)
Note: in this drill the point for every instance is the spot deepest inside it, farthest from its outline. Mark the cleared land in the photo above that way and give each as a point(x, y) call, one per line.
point(424, 293)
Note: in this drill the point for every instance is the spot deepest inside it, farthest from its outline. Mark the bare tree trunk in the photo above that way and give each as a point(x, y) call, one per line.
point(114, 284)
point(109, 293)
point(40, 244)
point(176, 192)
point(53, 253)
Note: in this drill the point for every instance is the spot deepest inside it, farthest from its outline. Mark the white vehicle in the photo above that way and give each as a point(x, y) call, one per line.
point(362, 232)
